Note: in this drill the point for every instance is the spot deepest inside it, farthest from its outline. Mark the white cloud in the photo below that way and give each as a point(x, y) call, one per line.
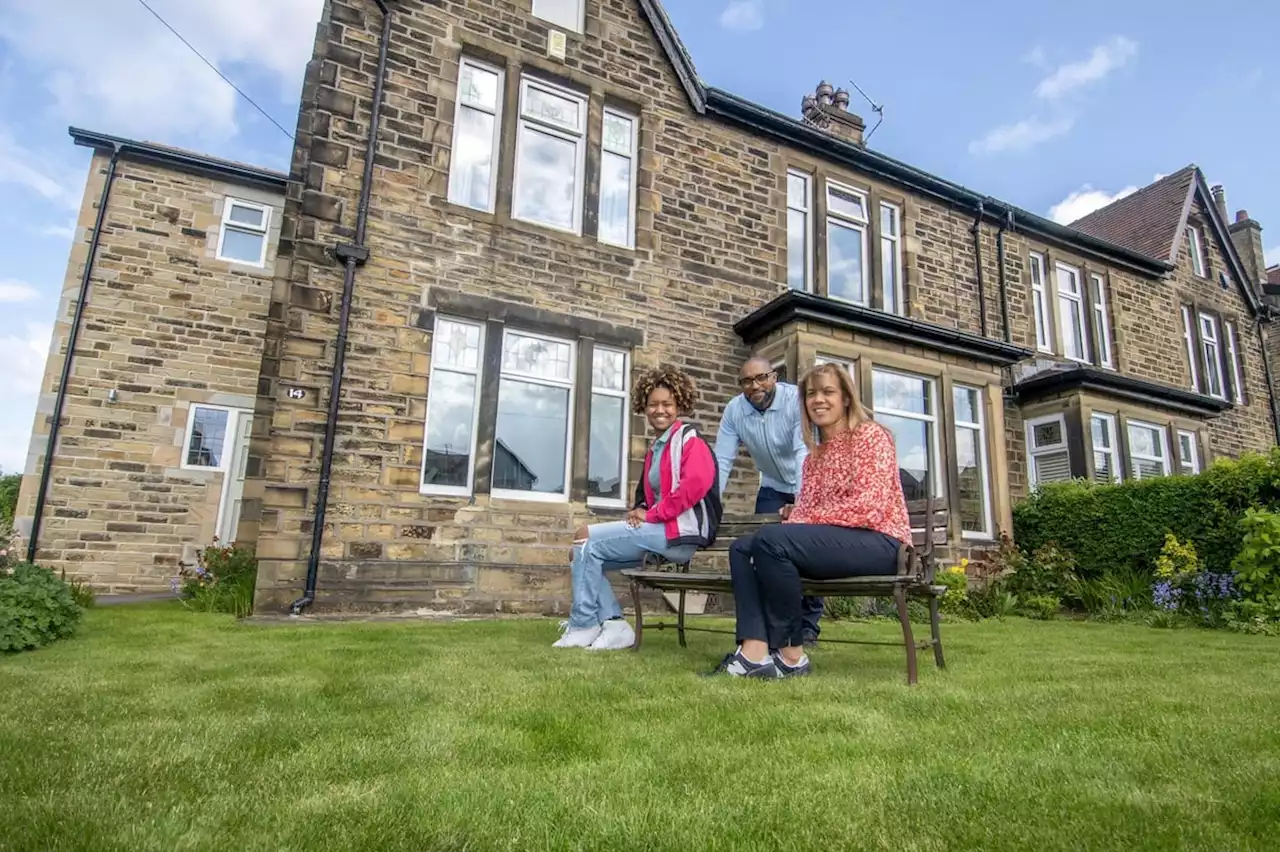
point(13, 290)
point(1021, 135)
point(1273, 256)
point(115, 67)
point(1036, 56)
point(61, 232)
point(1084, 201)
point(743, 15)
point(19, 389)
point(1111, 55)
point(36, 173)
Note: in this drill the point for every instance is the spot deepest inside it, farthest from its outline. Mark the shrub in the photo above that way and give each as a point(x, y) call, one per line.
point(956, 600)
point(1114, 595)
point(9, 485)
point(222, 580)
point(1039, 606)
point(1183, 586)
point(36, 608)
point(1257, 572)
point(82, 593)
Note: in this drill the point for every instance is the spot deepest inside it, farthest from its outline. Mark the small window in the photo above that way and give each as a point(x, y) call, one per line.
point(550, 147)
point(1102, 322)
point(846, 244)
point(1237, 366)
point(618, 179)
point(534, 430)
point(1148, 450)
point(1106, 455)
point(206, 440)
point(1189, 453)
point(563, 13)
point(1040, 303)
point(607, 451)
point(1050, 460)
point(1195, 245)
point(891, 258)
point(1211, 360)
point(799, 231)
point(244, 232)
point(972, 466)
point(453, 393)
point(473, 161)
point(906, 405)
point(1075, 345)
point(1190, 346)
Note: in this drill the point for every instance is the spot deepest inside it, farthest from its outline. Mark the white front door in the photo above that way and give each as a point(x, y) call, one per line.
point(233, 480)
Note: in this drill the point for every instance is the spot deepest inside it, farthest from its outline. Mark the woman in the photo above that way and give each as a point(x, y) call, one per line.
point(676, 511)
point(849, 520)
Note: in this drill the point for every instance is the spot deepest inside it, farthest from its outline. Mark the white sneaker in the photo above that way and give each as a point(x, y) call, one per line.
point(577, 637)
point(617, 635)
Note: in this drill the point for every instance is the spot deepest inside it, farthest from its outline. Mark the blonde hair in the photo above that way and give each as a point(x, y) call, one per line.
point(854, 411)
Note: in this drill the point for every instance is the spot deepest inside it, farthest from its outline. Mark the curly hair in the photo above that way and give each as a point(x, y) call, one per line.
point(665, 376)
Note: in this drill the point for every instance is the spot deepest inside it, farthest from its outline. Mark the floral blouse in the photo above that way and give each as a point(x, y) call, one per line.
point(852, 481)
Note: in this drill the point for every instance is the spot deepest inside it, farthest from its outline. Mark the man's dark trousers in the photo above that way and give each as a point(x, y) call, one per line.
point(770, 502)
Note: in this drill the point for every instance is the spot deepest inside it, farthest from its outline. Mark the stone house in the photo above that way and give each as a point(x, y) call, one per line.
point(555, 199)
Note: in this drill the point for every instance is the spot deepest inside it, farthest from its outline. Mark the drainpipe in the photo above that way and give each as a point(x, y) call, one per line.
point(977, 252)
point(1005, 223)
point(353, 255)
point(1266, 315)
point(55, 426)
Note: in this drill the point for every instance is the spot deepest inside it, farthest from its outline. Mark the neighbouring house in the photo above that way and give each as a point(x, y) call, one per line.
point(555, 199)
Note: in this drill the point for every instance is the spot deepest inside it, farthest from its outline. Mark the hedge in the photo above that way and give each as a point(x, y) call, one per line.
point(1109, 527)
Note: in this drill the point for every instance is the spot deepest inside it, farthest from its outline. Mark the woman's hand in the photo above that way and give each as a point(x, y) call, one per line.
point(635, 518)
point(785, 512)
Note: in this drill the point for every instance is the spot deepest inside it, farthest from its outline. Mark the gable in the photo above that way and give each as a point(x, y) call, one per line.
point(1148, 221)
point(1216, 230)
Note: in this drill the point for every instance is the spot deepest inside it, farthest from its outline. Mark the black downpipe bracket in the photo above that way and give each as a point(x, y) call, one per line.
point(977, 252)
point(1005, 224)
point(352, 255)
point(55, 423)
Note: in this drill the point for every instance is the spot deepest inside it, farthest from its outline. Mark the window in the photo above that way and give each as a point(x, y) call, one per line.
point(1040, 304)
point(607, 450)
point(618, 179)
point(1148, 450)
point(846, 244)
point(1211, 357)
point(473, 163)
point(1237, 370)
point(1188, 453)
point(891, 258)
point(562, 13)
point(1101, 322)
point(550, 146)
point(449, 445)
point(1189, 340)
point(1071, 314)
point(799, 232)
point(1195, 245)
point(1050, 460)
point(244, 232)
point(972, 468)
point(1106, 461)
point(533, 433)
point(206, 439)
point(905, 405)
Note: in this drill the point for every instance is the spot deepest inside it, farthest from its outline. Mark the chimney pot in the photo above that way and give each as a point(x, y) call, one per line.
point(1220, 200)
point(841, 100)
point(824, 92)
point(1242, 215)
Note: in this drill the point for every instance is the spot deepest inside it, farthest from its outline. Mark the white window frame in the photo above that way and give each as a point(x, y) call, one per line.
point(576, 25)
point(1237, 373)
point(1033, 451)
point(1195, 244)
point(984, 464)
point(1102, 321)
point(1038, 265)
point(571, 384)
point(1209, 339)
point(1192, 468)
point(1113, 452)
point(1072, 302)
point(625, 456)
point(807, 210)
point(634, 157)
point(478, 372)
point(894, 247)
point(1189, 339)
point(228, 440)
point(1165, 462)
point(578, 137)
point(496, 112)
point(931, 421)
point(229, 224)
point(841, 220)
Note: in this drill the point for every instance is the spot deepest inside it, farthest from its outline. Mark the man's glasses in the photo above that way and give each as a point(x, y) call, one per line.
point(759, 379)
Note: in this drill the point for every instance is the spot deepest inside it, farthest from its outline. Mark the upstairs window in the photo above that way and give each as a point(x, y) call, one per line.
point(799, 231)
point(846, 244)
point(1211, 360)
point(550, 149)
point(618, 179)
point(476, 124)
point(1040, 303)
point(243, 238)
point(566, 14)
point(1237, 368)
point(891, 258)
point(1188, 339)
point(1195, 246)
point(1102, 322)
point(1075, 345)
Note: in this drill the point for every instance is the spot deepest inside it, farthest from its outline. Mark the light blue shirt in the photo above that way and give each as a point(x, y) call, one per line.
point(773, 439)
point(655, 465)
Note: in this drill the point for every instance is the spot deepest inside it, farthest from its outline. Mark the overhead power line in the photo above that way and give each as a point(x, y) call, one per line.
point(192, 48)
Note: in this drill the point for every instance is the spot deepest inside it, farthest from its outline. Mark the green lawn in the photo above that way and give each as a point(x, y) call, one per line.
point(155, 728)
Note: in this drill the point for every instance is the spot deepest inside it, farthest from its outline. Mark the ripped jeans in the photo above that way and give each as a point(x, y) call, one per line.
point(616, 546)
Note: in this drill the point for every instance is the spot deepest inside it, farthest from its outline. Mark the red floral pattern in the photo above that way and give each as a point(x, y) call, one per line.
point(852, 481)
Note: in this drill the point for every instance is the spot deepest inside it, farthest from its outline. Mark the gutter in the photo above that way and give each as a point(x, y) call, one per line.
point(55, 423)
point(353, 255)
point(186, 161)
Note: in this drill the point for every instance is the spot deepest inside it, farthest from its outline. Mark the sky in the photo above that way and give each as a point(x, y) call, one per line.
point(1058, 108)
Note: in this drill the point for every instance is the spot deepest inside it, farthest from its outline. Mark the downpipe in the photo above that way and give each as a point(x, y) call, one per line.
point(977, 253)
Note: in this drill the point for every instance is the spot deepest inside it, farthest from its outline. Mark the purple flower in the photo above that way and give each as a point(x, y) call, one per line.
point(1165, 596)
point(175, 585)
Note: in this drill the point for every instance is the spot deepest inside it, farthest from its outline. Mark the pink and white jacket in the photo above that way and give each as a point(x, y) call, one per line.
point(689, 507)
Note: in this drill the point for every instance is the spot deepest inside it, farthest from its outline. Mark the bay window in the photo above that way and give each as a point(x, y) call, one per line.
point(972, 464)
point(1148, 450)
point(1106, 455)
point(532, 438)
point(906, 406)
point(1050, 460)
point(1188, 453)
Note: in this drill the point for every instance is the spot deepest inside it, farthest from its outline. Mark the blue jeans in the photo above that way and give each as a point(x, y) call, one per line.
point(769, 502)
point(620, 546)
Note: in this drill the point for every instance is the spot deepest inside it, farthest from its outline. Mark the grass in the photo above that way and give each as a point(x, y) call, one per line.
point(158, 728)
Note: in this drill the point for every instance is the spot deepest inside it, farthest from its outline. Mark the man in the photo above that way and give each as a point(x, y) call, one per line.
point(766, 418)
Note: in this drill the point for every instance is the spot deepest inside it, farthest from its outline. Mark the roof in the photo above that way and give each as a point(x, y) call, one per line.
point(182, 160)
point(1147, 221)
point(1273, 275)
point(1118, 385)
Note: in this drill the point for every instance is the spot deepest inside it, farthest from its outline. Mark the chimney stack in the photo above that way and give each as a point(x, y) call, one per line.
point(1246, 234)
point(1220, 201)
point(828, 109)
